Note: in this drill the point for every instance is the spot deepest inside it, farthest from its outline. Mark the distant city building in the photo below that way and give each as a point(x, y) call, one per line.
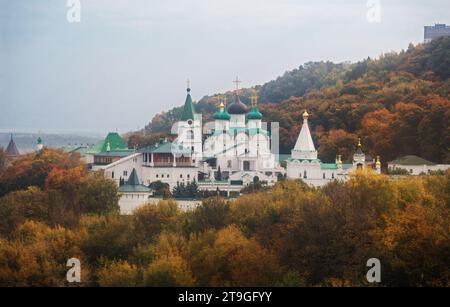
point(438, 30)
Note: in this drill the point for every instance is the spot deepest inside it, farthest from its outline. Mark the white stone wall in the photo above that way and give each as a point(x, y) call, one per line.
point(314, 173)
point(237, 120)
point(254, 123)
point(123, 167)
point(419, 169)
point(170, 175)
point(147, 175)
point(130, 201)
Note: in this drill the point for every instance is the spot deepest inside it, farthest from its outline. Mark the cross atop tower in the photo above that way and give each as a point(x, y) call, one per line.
point(237, 82)
point(254, 99)
point(188, 84)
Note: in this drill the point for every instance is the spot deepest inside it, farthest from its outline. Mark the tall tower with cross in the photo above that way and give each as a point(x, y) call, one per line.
point(189, 127)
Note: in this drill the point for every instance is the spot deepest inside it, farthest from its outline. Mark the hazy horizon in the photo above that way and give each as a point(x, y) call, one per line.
point(123, 62)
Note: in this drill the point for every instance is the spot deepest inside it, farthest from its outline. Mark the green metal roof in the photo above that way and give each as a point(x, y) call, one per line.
point(188, 110)
point(115, 142)
point(222, 115)
point(133, 185)
point(254, 114)
point(166, 147)
point(328, 166)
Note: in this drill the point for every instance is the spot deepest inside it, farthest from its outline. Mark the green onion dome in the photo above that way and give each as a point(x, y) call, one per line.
point(222, 113)
point(254, 114)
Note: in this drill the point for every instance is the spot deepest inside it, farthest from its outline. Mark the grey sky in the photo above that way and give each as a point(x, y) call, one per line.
point(128, 60)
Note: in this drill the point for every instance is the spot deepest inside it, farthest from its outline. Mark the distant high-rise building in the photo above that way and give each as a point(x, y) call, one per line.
point(438, 30)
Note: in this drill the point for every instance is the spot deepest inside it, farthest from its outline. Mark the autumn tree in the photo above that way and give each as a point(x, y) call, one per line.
point(32, 169)
point(150, 220)
point(96, 194)
point(119, 274)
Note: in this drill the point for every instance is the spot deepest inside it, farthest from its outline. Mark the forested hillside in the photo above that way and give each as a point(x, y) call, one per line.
point(398, 104)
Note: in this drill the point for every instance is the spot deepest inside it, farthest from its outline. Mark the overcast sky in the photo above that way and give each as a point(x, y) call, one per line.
point(128, 60)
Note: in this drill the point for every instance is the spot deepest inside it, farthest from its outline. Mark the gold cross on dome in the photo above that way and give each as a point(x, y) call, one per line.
point(237, 82)
point(254, 99)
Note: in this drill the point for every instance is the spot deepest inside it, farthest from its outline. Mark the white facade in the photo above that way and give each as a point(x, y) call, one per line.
point(130, 201)
point(305, 165)
point(171, 175)
point(416, 170)
point(240, 149)
point(190, 136)
point(236, 146)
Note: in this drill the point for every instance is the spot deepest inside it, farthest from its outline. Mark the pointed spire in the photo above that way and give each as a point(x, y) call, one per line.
point(12, 150)
point(133, 179)
point(188, 111)
point(304, 147)
point(133, 185)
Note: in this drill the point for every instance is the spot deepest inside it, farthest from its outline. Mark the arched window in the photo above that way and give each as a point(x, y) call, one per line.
point(190, 135)
point(304, 175)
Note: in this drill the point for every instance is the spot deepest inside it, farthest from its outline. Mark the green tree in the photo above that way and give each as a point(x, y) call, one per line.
point(98, 195)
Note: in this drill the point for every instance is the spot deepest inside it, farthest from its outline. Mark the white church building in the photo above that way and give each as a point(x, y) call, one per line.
point(228, 154)
point(304, 163)
point(233, 152)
